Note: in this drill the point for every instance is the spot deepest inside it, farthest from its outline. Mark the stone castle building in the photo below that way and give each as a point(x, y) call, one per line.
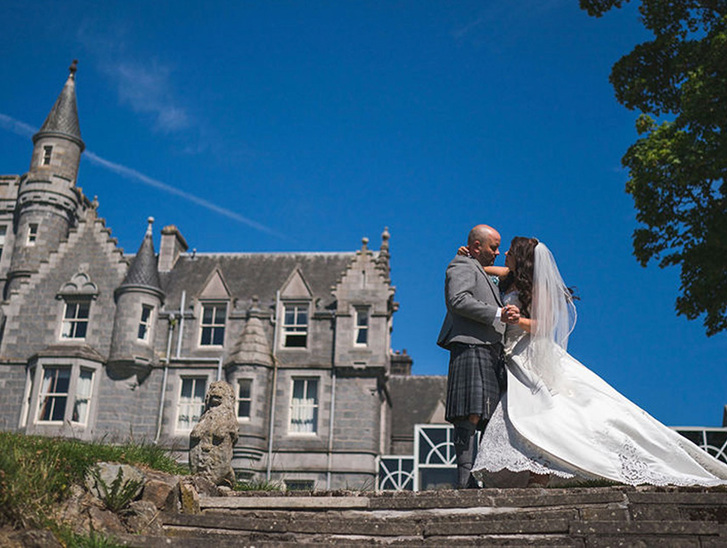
point(97, 344)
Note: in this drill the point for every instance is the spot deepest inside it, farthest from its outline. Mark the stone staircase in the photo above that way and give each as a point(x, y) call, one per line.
point(585, 517)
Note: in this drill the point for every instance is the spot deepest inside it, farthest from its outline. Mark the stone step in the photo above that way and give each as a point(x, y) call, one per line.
point(376, 524)
point(588, 517)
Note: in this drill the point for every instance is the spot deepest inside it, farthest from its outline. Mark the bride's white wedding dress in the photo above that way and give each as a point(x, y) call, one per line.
point(561, 419)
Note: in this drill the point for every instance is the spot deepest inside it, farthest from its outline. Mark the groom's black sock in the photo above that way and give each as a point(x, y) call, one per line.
point(464, 446)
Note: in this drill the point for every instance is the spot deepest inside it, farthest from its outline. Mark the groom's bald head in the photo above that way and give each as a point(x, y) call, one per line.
point(483, 243)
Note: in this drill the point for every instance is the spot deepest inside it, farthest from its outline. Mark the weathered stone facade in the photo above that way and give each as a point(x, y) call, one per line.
point(96, 344)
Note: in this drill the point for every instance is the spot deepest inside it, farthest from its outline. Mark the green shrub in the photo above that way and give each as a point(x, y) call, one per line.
point(120, 493)
point(36, 473)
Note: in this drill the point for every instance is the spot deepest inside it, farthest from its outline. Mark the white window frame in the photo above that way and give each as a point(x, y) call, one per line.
point(240, 400)
point(301, 409)
point(47, 155)
point(294, 328)
point(213, 326)
point(79, 394)
point(75, 321)
point(361, 329)
point(32, 235)
point(143, 332)
point(3, 238)
point(53, 394)
point(188, 404)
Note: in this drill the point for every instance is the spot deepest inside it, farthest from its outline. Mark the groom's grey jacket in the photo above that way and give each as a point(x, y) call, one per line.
point(472, 302)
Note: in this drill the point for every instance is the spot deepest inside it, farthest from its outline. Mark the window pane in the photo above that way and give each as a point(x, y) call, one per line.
point(80, 330)
point(298, 388)
point(187, 385)
point(243, 409)
point(304, 406)
point(83, 310)
point(83, 396)
point(62, 380)
point(362, 336)
point(312, 390)
point(213, 325)
point(71, 310)
point(289, 316)
point(199, 389)
point(302, 316)
point(191, 402)
point(54, 393)
point(244, 388)
point(220, 313)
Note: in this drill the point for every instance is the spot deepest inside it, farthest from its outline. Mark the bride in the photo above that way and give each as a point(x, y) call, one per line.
point(560, 420)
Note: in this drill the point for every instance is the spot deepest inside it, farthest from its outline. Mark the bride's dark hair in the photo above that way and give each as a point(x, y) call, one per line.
point(522, 253)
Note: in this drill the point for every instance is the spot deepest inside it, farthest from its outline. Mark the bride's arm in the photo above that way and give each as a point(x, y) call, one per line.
point(499, 271)
point(526, 324)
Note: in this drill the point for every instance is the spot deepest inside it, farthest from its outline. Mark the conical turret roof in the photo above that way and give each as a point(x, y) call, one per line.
point(143, 269)
point(63, 117)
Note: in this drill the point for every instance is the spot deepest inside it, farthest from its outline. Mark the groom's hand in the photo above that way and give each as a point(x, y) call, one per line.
point(511, 314)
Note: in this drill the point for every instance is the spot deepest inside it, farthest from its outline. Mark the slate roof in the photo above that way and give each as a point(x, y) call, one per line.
point(63, 117)
point(255, 274)
point(414, 399)
point(143, 269)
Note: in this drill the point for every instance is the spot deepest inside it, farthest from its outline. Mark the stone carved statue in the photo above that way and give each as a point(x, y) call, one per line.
point(214, 436)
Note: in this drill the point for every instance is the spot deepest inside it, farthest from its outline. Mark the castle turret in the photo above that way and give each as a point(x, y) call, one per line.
point(48, 201)
point(138, 301)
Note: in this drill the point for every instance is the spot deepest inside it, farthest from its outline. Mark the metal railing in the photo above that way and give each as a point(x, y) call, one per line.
point(433, 463)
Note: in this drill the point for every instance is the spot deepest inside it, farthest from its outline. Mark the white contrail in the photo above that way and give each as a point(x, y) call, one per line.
point(26, 130)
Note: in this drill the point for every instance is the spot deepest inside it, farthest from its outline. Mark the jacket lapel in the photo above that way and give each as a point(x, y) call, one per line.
point(495, 290)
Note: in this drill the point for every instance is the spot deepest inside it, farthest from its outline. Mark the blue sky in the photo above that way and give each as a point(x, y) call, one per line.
point(305, 126)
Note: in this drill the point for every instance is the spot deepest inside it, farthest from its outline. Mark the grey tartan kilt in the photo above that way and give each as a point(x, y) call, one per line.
point(475, 382)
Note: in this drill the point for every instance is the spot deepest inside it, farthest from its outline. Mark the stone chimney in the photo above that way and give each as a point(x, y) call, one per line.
point(401, 363)
point(173, 244)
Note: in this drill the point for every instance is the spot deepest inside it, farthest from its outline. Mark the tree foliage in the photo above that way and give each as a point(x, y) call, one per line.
point(677, 166)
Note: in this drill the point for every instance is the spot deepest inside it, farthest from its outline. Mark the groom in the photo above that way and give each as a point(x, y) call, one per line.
point(473, 332)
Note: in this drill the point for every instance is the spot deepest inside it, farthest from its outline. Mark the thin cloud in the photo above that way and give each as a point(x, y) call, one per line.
point(148, 90)
point(16, 126)
point(26, 130)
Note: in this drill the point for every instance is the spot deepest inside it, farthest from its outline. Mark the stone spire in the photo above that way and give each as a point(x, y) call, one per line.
point(252, 347)
point(63, 118)
point(384, 256)
point(143, 270)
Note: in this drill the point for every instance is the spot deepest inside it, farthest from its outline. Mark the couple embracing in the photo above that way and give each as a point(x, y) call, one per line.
point(542, 414)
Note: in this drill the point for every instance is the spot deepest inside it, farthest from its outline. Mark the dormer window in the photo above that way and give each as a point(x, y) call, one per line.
point(32, 233)
point(295, 326)
point(362, 326)
point(75, 319)
point(77, 295)
point(214, 316)
point(47, 155)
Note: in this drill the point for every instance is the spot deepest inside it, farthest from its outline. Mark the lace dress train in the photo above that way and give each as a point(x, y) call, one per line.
point(562, 420)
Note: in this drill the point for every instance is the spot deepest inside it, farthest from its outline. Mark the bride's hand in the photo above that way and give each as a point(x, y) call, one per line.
point(463, 250)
